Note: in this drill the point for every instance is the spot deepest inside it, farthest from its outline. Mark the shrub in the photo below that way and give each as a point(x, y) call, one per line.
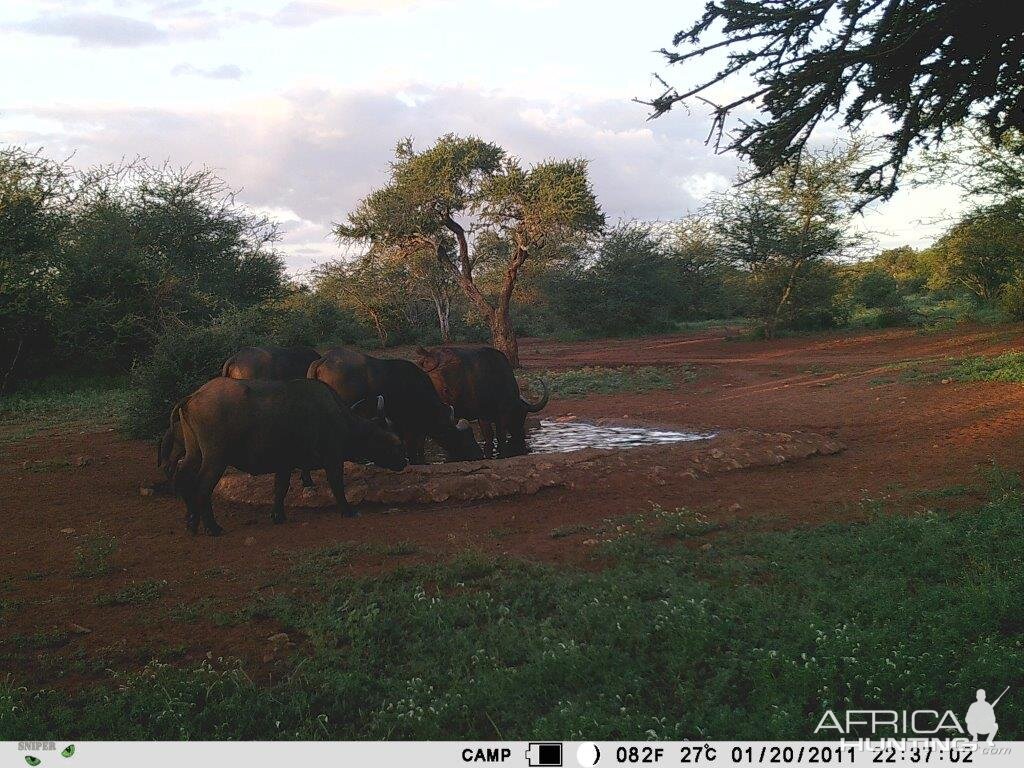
point(1011, 299)
point(184, 358)
point(877, 289)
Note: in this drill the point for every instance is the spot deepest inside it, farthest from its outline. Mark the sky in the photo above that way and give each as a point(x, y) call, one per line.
point(298, 104)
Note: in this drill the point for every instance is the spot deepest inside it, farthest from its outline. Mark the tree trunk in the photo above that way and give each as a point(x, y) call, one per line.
point(444, 312)
point(14, 362)
point(503, 336)
point(773, 323)
point(382, 335)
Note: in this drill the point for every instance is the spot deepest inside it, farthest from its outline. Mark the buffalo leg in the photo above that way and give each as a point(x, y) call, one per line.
point(414, 447)
point(209, 476)
point(307, 479)
point(281, 482)
point(500, 432)
point(186, 482)
point(517, 436)
point(487, 433)
point(336, 479)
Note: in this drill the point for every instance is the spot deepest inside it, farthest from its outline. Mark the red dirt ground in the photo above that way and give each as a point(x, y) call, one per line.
point(901, 436)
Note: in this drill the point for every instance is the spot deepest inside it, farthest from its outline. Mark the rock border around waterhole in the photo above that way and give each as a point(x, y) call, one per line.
point(524, 475)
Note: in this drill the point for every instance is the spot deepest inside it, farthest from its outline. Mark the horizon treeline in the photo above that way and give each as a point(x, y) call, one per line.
point(157, 270)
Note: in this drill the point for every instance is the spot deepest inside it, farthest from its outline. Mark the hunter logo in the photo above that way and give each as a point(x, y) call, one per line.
point(981, 721)
point(981, 716)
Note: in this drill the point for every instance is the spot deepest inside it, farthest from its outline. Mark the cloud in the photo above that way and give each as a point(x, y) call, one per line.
point(300, 13)
point(94, 29)
point(311, 155)
point(222, 72)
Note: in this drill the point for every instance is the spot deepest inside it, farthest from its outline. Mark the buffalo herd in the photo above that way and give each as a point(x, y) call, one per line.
point(277, 409)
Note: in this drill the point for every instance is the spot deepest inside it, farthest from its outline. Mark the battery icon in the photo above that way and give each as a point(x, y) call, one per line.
point(544, 753)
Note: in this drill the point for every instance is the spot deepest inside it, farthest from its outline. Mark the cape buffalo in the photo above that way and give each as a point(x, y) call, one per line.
point(412, 406)
point(271, 427)
point(480, 384)
point(273, 363)
point(269, 362)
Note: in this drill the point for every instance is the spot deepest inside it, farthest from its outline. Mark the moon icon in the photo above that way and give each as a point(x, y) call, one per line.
point(588, 753)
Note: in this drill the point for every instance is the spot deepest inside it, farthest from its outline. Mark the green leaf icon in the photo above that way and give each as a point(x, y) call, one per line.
point(32, 760)
point(69, 750)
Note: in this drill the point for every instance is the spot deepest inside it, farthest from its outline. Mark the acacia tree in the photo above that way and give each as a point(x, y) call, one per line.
point(977, 164)
point(33, 197)
point(781, 230)
point(926, 65)
point(471, 192)
point(983, 251)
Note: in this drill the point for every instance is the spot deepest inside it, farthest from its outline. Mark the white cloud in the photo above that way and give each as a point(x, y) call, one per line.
point(315, 153)
point(305, 12)
point(222, 72)
point(94, 29)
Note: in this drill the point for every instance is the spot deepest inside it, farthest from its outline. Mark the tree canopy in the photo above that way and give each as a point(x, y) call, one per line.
point(926, 65)
point(470, 203)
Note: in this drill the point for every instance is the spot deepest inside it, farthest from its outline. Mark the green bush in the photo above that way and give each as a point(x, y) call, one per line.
point(877, 289)
point(186, 356)
point(1011, 299)
point(183, 359)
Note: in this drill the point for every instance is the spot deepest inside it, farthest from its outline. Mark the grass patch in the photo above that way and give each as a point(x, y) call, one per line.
point(565, 531)
point(580, 382)
point(45, 638)
point(401, 549)
point(750, 639)
point(190, 613)
point(1008, 367)
point(93, 555)
point(60, 401)
point(136, 593)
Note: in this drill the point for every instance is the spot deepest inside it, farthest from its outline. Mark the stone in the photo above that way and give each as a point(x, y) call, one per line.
point(249, 541)
point(78, 629)
point(146, 490)
point(526, 475)
point(83, 461)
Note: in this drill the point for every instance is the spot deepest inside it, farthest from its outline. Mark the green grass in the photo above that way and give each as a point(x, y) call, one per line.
point(565, 531)
point(42, 639)
point(191, 613)
point(136, 593)
point(580, 382)
point(1008, 367)
point(61, 401)
point(752, 638)
point(93, 554)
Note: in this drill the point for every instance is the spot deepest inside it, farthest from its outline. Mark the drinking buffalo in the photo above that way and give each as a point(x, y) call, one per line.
point(412, 405)
point(273, 363)
point(480, 384)
point(271, 427)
